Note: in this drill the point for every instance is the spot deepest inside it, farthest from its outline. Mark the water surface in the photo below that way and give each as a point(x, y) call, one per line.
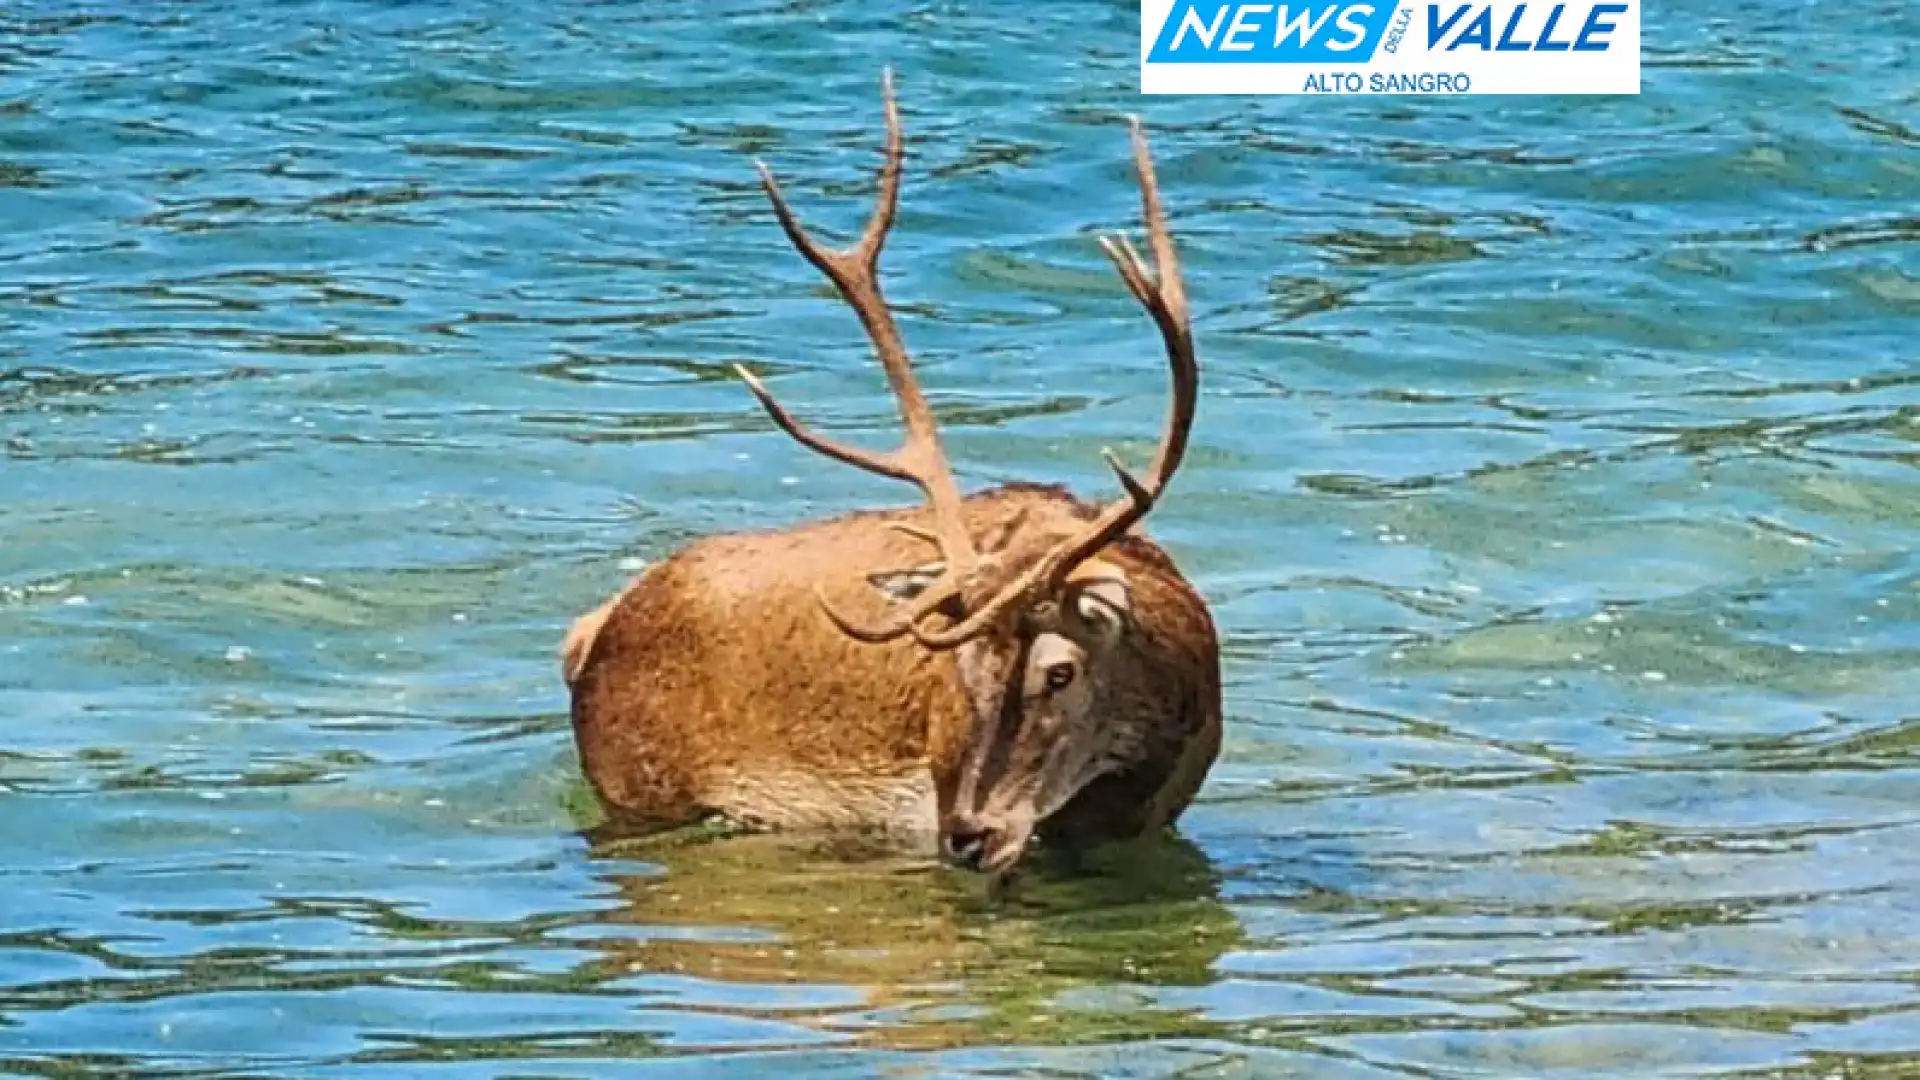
point(1554, 484)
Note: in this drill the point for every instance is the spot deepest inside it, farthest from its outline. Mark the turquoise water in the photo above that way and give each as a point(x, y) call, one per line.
point(1554, 484)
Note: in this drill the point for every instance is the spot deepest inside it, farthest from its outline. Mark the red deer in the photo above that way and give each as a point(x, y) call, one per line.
point(1050, 674)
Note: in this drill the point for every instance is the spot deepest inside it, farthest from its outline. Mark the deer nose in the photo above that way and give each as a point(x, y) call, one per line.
point(967, 841)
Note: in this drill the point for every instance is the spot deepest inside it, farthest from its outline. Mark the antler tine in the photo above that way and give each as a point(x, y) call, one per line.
point(883, 464)
point(903, 621)
point(855, 273)
point(1164, 297)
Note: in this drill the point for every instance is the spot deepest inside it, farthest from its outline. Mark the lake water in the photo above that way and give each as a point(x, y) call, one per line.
point(1554, 484)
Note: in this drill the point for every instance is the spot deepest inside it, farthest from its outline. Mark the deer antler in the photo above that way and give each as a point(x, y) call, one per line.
point(920, 460)
point(855, 272)
point(1165, 298)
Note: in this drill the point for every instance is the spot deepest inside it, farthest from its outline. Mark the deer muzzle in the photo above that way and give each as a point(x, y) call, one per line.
point(988, 843)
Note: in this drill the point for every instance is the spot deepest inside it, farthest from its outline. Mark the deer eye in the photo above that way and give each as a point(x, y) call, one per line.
point(1059, 676)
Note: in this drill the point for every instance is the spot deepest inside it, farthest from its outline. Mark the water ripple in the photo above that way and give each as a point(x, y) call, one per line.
point(1554, 486)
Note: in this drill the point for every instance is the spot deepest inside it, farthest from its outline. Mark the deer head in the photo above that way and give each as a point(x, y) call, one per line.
point(1041, 628)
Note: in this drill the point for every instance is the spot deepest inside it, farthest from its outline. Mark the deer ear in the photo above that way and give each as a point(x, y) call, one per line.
point(1104, 605)
point(899, 586)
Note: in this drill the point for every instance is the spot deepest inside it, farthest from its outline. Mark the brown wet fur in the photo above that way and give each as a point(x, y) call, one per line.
point(713, 684)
